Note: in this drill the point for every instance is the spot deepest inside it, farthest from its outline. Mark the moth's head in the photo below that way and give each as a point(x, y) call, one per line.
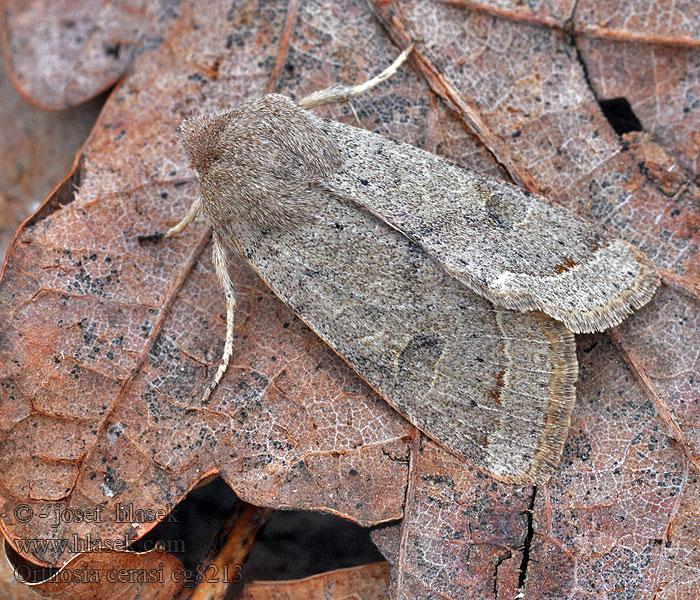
point(258, 162)
point(200, 135)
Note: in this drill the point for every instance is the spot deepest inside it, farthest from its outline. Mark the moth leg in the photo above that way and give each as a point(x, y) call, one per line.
point(343, 93)
point(186, 220)
point(354, 114)
point(221, 268)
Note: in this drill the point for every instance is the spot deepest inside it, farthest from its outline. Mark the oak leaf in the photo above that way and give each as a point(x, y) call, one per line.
point(515, 92)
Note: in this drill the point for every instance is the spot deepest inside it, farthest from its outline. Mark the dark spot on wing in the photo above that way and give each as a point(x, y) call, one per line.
point(567, 264)
point(495, 393)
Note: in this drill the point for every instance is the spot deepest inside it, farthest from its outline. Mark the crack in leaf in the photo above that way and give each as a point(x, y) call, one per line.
point(527, 544)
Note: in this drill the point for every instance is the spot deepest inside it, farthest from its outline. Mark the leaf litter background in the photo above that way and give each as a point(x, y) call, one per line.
point(108, 342)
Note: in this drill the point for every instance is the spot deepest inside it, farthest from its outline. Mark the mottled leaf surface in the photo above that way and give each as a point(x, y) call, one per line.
point(524, 91)
point(462, 535)
point(37, 149)
point(662, 86)
point(619, 518)
point(616, 516)
point(368, 582)
point(642, 20)
point(552, 136)
point(64, 52)
point(153, 575)
point(522, 88)
point(108, 341)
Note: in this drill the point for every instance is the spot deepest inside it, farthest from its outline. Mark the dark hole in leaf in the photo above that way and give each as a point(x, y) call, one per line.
point(296, 544)
point(188, 531)
point(291, 545)
point(620, 115)
point(24, 570)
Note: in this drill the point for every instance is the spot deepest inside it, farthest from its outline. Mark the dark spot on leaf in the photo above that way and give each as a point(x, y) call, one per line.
point(113, 50)
point(151, 237)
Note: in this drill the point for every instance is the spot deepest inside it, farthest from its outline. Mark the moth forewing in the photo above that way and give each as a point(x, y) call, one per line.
point(515, 248)
point(495, 387)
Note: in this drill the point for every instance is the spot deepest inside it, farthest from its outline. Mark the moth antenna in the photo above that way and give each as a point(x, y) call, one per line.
point(221, 268)
point(186, 220)
point(343, 93)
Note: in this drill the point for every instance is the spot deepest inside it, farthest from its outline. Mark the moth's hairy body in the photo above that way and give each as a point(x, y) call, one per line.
point(393, 256)
point(257, 163)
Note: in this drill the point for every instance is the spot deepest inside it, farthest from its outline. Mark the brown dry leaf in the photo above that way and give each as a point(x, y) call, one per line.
point(37, 149)
point(153, 575)
point(661, 83)
point(522, 88)
point(109, 342)
point(64, 52)
point(622, 513)
point(368, 582)
point(551, 135)
point(520, 85)
point(642, 20)
point(11, 588)
point(618, 520)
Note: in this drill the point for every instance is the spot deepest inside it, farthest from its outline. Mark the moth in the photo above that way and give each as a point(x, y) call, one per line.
point(454, 295)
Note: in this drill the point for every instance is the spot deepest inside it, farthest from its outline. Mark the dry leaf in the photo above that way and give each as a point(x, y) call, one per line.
point(11, 587)
point(109, 341)
point(300, 429)
point(641, 20)
point(662, 85)
point(153, 575)
point(522, 88)
point(62, 53)
point(616, 515)
point(368, 582)
point(37, 149)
